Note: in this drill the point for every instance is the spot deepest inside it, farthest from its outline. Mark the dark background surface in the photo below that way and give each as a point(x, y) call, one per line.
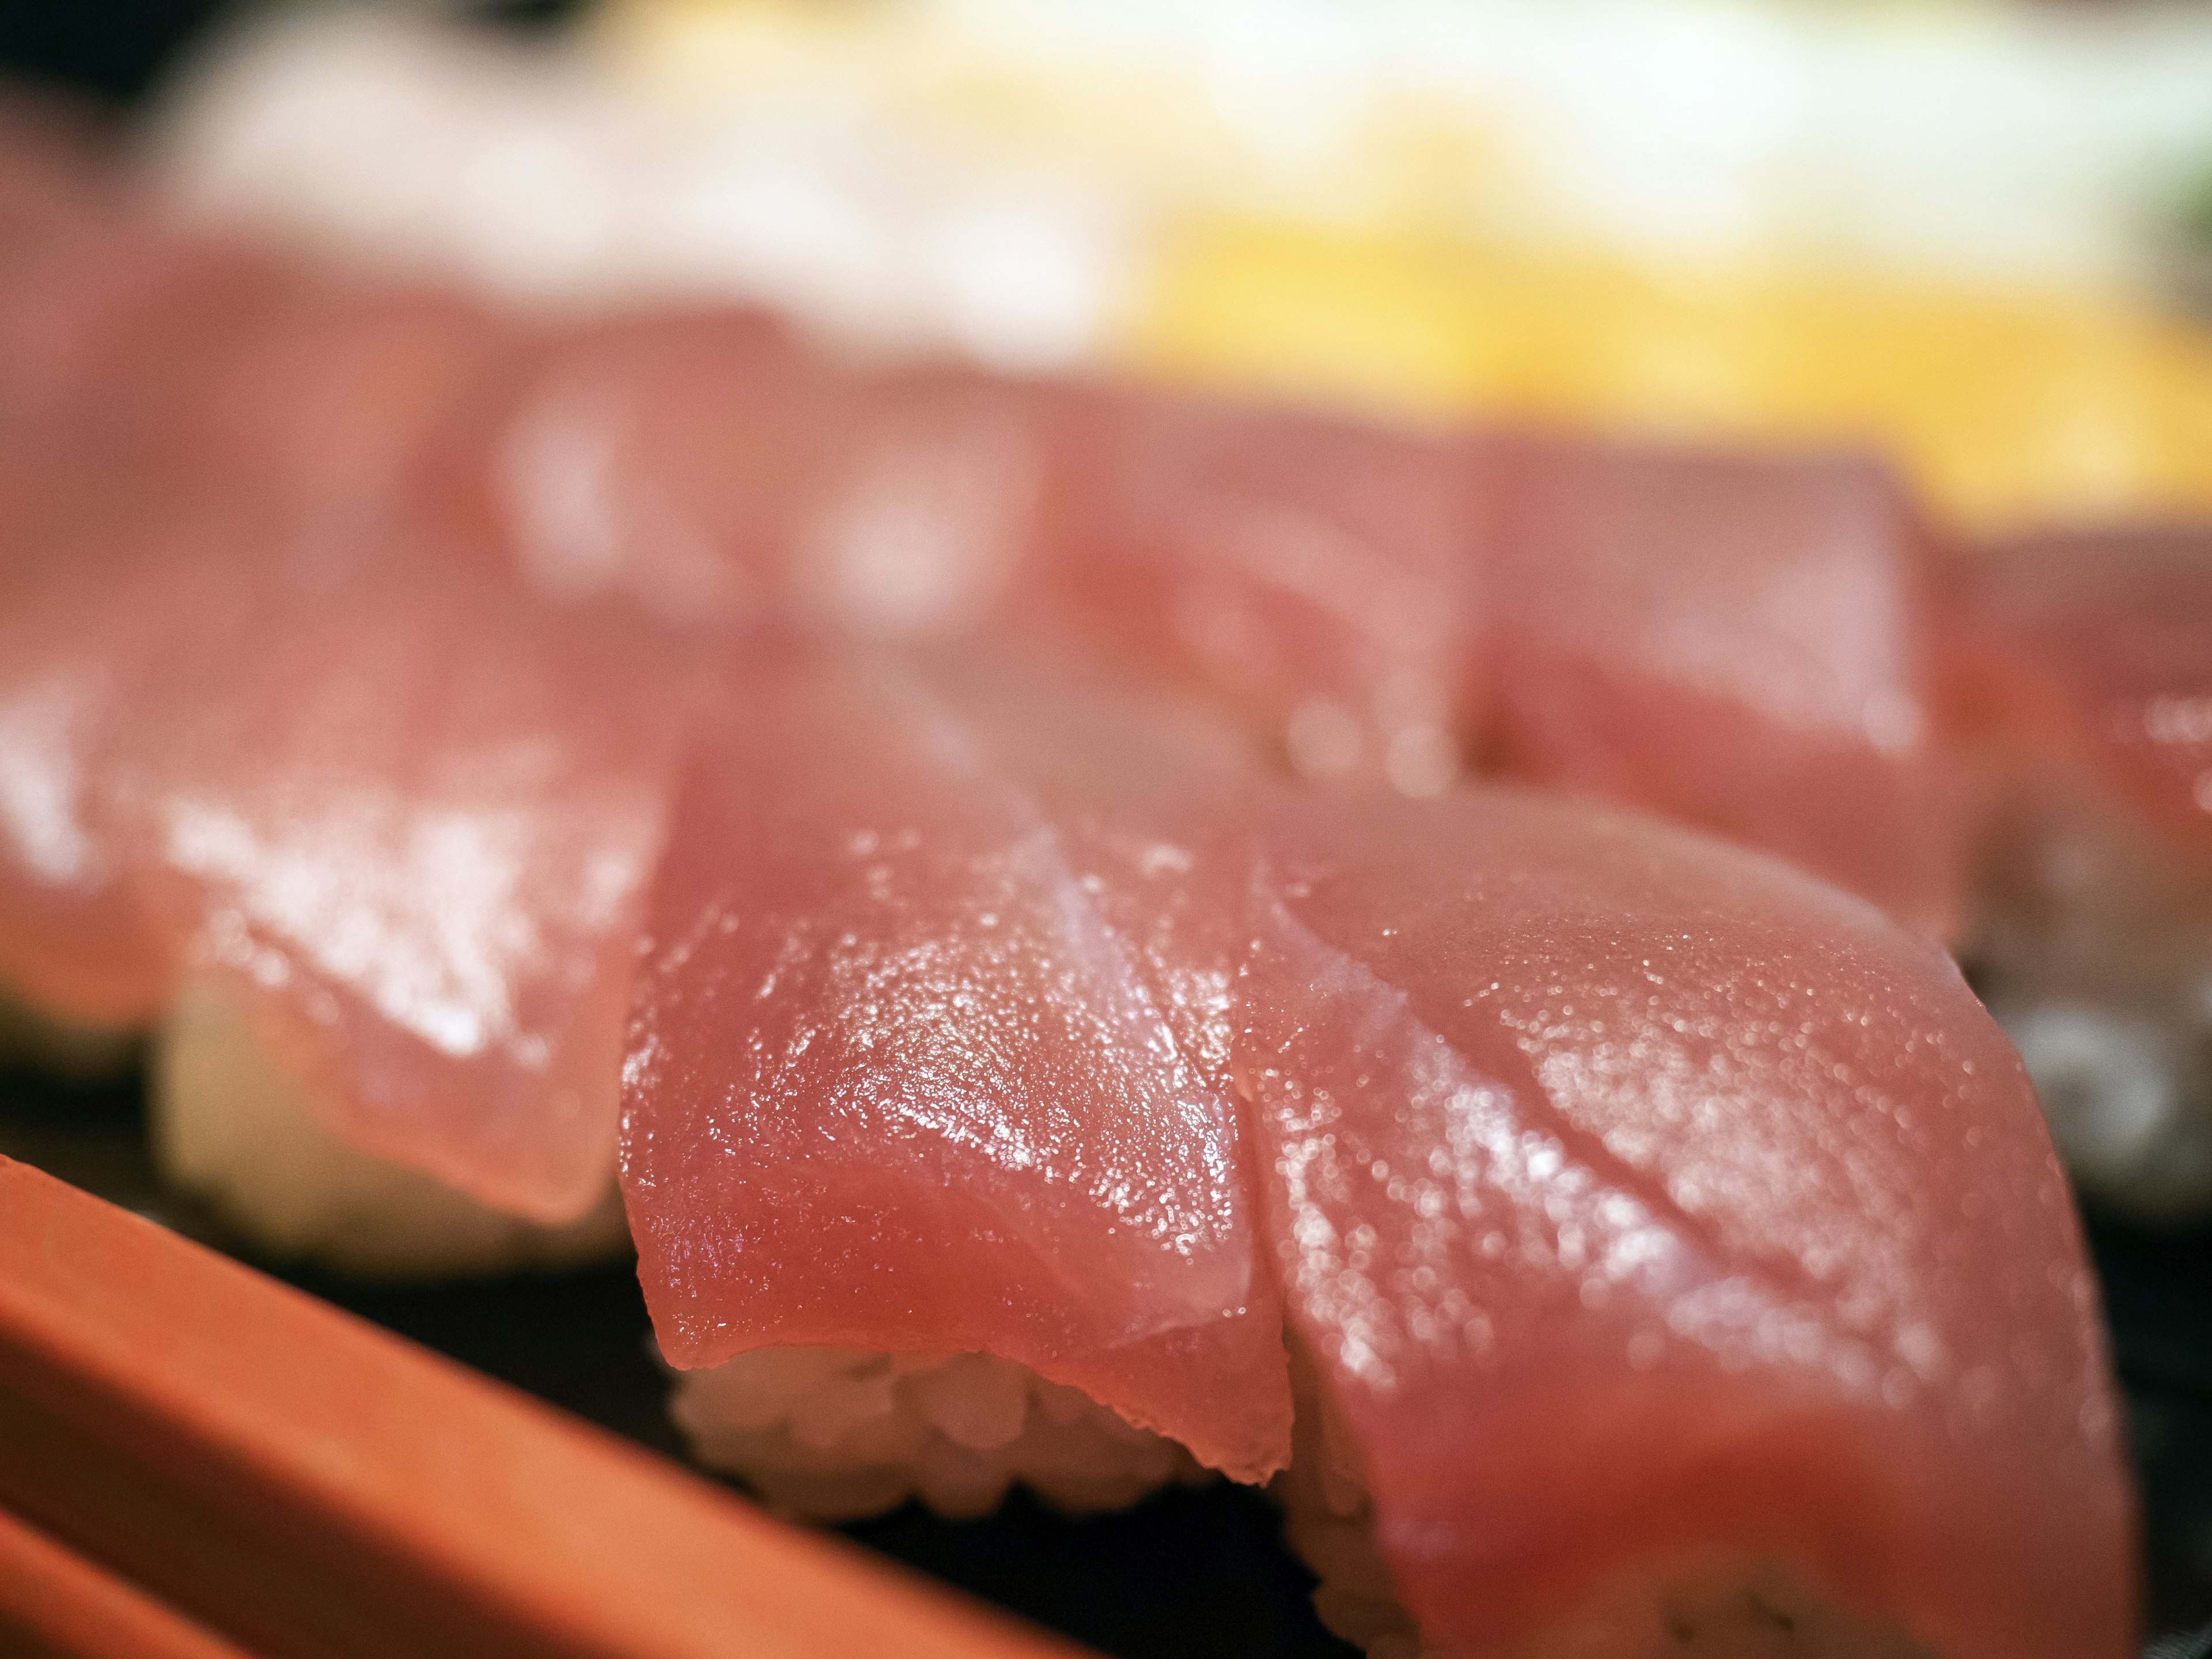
point(1198, 1572)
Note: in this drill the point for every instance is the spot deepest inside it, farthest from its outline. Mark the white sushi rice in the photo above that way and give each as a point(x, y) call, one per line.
point(2127, 1098)
point(836, 1434)
point(232, 1124)
point(1328, 1520)
point(1721, 1606)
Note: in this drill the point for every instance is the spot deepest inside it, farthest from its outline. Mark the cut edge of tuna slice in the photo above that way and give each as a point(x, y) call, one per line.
point(1673, 1238)
point(928, 1060)
point(2082, 671)
point(1739, 644)
point(408, 838)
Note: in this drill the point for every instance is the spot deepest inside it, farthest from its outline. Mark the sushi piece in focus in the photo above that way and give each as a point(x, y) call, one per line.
point(926, 1142)
point(2085, 668)
point(1676, 1254)
point(1736, 644)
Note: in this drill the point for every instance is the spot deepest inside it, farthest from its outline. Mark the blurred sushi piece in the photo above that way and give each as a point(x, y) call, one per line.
point(94, 626)
point(396, 851)
point(2087, 665)
point(1320, 577)
point(1741, 643)
point(173, 534)
point(1326, 578)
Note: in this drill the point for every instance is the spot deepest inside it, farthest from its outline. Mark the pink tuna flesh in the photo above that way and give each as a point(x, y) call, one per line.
point(105, 601)
point(1314, 573)
point(410, 831)
point(1733, 644)
point(1641, 1202)
point(928, 1046)
point(1320, 572)
point(335, 403)
point(110, 318)
point(2100, 643)
point(51, 173)
point(711, 471)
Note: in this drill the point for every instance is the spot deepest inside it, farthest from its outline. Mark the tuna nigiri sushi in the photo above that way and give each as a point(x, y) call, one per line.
point(1677, 1256)
point(1671, 1244)
point(403, 845)
point(927, 1145)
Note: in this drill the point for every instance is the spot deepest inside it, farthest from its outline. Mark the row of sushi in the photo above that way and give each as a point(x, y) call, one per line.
point(2007, 747)
point(982, 866)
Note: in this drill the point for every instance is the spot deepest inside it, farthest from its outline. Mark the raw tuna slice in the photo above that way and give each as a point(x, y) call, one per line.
point(1736, 644)
point(129, 557)
point(111, 316)
point(207, 361)
point(714, 471)
point(105, 600)
point(2085, 670)
point(1681, 1256)
point(333, 405)
point(1322, 573)
point(408, 834)
point(927, 1059)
